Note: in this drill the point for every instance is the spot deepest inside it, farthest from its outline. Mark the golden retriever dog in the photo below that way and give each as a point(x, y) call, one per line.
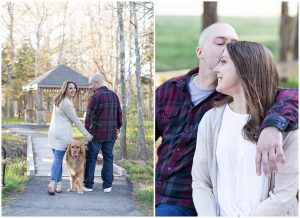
point(76, 159)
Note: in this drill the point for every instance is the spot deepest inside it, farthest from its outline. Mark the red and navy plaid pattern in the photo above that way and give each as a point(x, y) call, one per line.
point(176, 121)
point(104, 115)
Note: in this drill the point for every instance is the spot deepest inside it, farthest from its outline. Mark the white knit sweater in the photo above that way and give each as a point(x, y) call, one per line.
point(279, 190)
point(60, 132)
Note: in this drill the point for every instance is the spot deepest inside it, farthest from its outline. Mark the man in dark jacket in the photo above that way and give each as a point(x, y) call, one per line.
point(103, 120)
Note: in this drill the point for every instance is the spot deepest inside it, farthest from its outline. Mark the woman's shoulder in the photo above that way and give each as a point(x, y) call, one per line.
point(66, 102)
point(215, 112)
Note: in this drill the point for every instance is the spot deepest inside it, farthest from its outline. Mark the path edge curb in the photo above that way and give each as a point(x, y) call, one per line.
point(30, 161)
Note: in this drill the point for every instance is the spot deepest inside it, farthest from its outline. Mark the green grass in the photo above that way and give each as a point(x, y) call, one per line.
point(16, 168)
point(292, 82)
point(132, 139)
point(12, 137)
point(145, 194)
point(77, 134)
point(15, 178)
point(141, 175)
point(139, 170)
point(12, 120)
point(176, 38)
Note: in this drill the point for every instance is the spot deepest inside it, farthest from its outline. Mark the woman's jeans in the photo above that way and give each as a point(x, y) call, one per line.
point(107, 175)
point(56, 168)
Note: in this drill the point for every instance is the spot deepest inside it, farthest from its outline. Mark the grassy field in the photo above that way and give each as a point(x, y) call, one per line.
point(176, 38)
point(16, 167)
point(141, 175)
point(12, 120)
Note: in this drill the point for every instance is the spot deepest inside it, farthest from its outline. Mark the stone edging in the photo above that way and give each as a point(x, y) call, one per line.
point(30, 161)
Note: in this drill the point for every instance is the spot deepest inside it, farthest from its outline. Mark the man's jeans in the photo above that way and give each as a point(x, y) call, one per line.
point(56, 168)
point(173, 210)
point(107, 170)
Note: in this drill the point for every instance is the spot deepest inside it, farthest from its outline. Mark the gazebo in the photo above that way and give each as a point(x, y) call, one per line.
point(51, 82)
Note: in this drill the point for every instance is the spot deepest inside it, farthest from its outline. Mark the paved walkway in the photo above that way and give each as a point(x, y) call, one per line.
point(35, 201)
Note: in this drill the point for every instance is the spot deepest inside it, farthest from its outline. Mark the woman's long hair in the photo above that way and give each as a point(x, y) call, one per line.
point(257, 71)
point(62, 93)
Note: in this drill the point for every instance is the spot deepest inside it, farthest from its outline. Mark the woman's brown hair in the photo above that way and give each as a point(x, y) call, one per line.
point(62, 93)
point(259, 77)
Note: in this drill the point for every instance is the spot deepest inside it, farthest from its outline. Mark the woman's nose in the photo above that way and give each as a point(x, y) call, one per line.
point(216, 69)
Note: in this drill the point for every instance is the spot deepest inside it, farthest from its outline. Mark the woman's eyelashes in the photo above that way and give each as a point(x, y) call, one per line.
point(222, 61)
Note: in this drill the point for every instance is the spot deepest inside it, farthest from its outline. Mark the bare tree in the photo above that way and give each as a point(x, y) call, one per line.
point(62, 36)
point(209, 14)
point(123, 147)
point(10, 69)
point(40, 17)
point(296, 39)
point(286, 29)
point(138, 85)
point(129, 89)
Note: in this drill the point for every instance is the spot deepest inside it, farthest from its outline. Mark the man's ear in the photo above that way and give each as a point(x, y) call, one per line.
point(199, 53)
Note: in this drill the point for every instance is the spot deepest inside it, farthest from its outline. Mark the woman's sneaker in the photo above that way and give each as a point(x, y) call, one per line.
point(107, 189)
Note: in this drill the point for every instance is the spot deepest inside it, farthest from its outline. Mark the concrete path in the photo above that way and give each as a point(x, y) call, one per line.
point(35, 201)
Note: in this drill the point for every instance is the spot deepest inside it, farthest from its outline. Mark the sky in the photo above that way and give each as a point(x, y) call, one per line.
point(228, 8)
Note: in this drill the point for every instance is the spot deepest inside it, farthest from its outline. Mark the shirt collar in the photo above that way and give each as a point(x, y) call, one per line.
point(182, 82)
point(102, 87)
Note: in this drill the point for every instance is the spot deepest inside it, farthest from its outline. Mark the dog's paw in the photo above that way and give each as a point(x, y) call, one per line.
point(70, 190)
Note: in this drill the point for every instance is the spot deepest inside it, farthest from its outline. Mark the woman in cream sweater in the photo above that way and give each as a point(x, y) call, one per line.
point(225, 182)
point(60, 132)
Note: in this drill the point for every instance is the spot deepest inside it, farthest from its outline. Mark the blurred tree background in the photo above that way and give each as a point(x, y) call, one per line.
point(177, 38)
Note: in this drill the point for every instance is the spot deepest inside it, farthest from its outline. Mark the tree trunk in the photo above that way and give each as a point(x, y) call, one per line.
point(62, 37)
point(209, 14)
point(115, 75)
point(37, 53)
point(129, 96)
point(295, 47)
point(122, 78)
point(150, 91)
point(285, 32)
point(10, 8)
point(138, 86)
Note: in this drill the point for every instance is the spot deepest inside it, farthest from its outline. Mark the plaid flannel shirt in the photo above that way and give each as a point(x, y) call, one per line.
point(177, 120)
point(104, 115)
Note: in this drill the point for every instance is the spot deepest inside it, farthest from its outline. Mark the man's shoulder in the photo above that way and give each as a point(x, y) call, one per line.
point(173, 81)
point(104, 91)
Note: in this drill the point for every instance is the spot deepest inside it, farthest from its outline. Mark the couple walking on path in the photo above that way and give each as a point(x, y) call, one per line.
point(102, 123)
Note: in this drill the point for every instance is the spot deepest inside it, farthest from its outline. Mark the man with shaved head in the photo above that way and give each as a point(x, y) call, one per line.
point(180, 105)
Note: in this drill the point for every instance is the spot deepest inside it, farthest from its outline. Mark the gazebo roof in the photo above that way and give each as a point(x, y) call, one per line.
point(55, 77)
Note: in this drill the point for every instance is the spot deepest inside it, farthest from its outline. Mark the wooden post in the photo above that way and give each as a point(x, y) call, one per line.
point(29, 111)
point(40, 111)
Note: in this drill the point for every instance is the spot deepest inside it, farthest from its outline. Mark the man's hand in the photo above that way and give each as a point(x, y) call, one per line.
point(269, 150)
point(118, 131)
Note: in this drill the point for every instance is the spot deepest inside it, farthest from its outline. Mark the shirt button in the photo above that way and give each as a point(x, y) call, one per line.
point(178, 149)
point(283, 124)
point(186, 130)
point(169, 168)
